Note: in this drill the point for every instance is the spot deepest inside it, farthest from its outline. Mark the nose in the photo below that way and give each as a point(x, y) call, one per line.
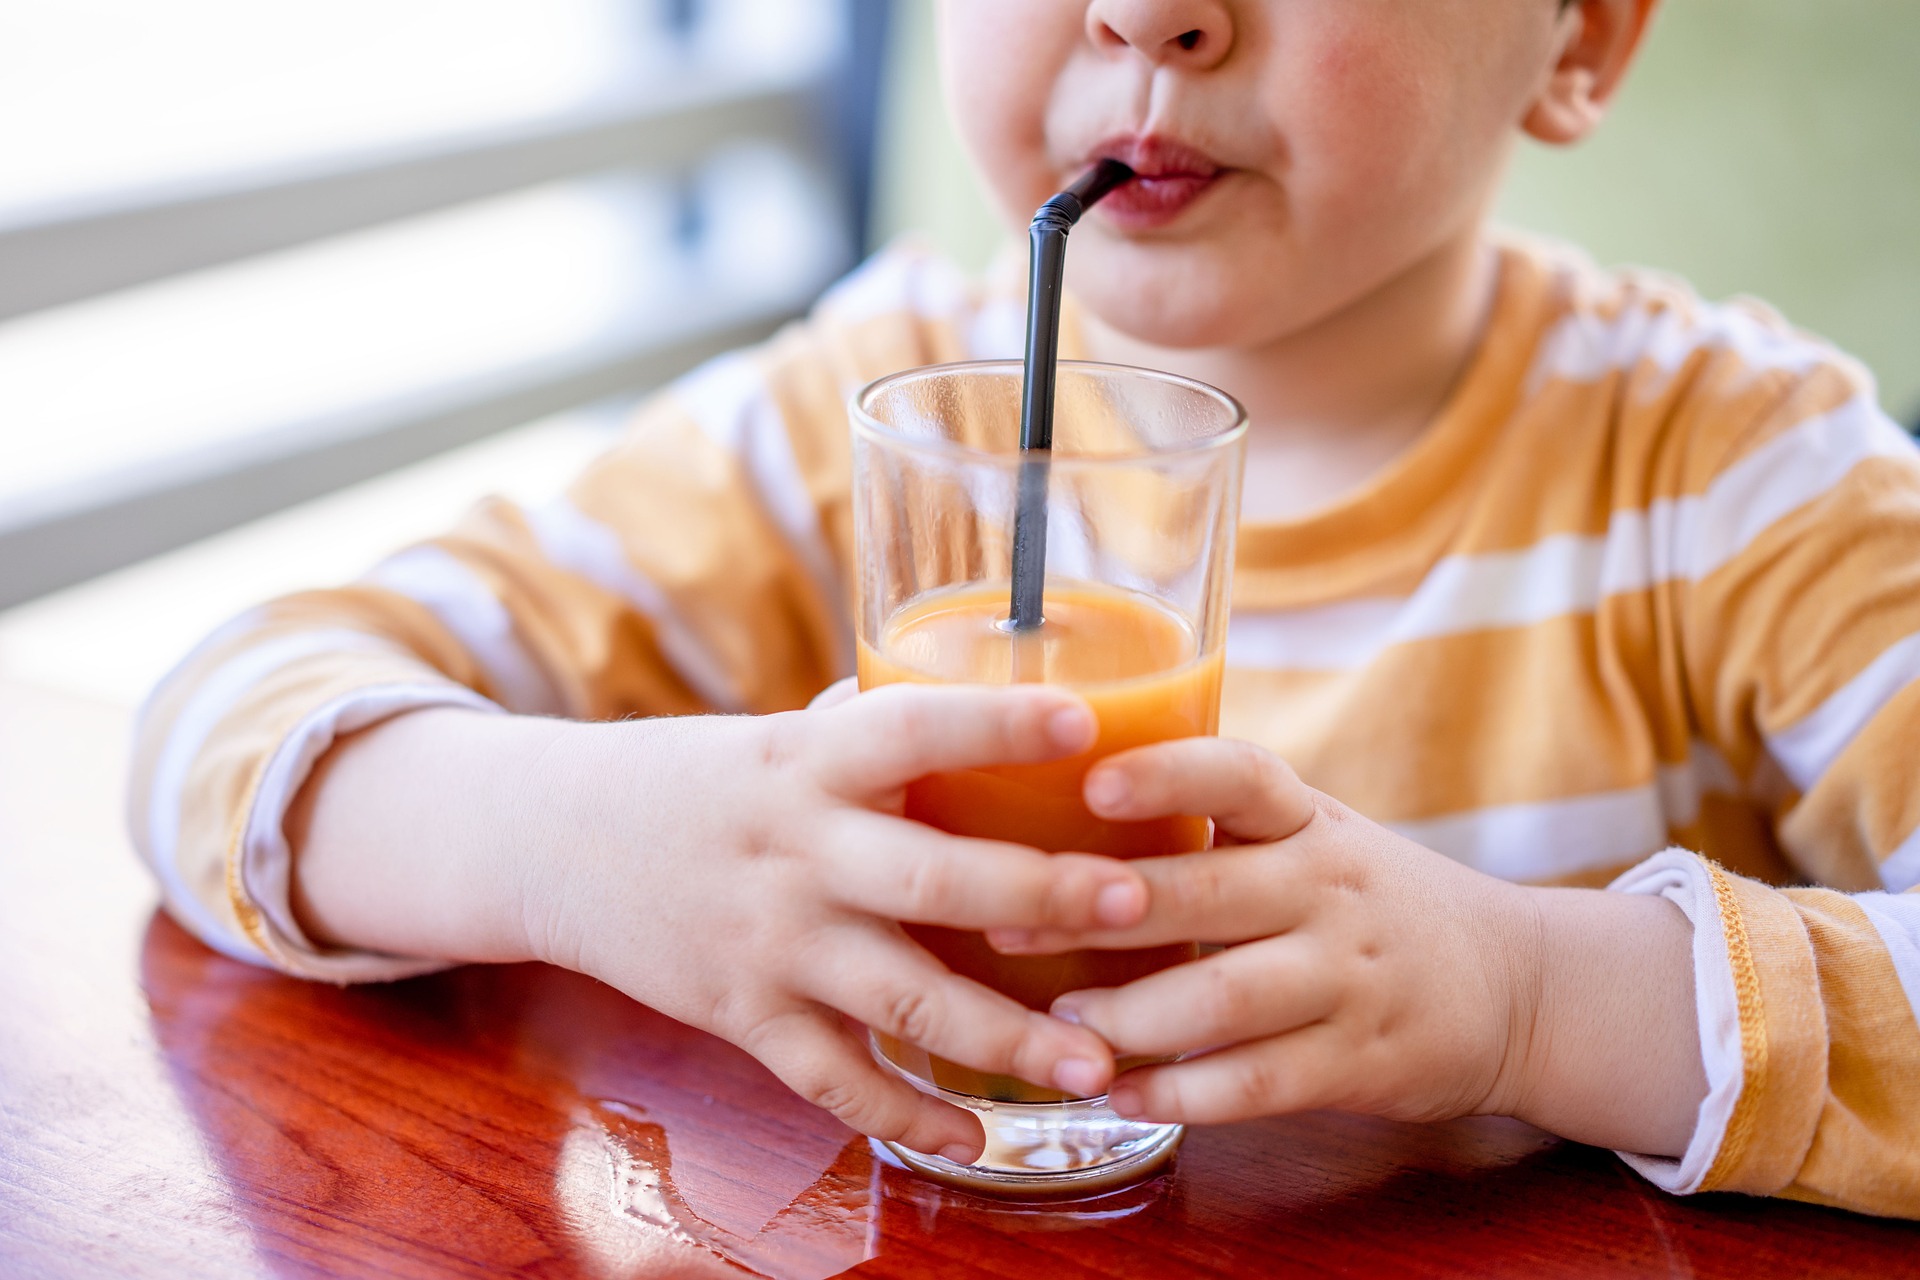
point(1191, 34)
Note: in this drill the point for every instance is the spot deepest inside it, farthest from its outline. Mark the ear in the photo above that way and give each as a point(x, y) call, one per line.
point(1595, 42)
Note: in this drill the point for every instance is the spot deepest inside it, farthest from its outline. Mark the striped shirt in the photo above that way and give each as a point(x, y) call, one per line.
point(1641, 606)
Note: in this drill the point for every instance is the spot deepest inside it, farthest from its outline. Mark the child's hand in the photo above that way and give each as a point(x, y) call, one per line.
point(745, 875)
point(1363, 972)
point(1366, 973)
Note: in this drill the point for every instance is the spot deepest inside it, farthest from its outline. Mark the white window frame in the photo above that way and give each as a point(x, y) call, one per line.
point(53, 256)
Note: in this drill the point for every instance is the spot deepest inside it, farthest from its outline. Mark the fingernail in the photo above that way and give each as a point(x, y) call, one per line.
point(1107, 790)
point(1065, 1013)
point(1010, 939)
point(1125, 1100)
point(1071, 728)
point(958, 1152)
point(1118, 904)
point(1077, 1076)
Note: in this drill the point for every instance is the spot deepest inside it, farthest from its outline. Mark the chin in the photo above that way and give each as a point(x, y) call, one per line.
point(1173, 297)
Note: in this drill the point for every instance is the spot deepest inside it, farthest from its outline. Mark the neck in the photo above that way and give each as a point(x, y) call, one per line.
point(1334, 403)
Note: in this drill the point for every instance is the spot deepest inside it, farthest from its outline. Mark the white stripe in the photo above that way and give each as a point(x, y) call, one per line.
point(213, 697)
point(1556, 576)
point(1635, 552)
point(1678, 787)
point(1571, 574)
point(1780, 477)
point(1682, 879)
point(1681, 786)
point(1586, 347)
point(998, 331)
point(1900, 870)
point(1335, 637)
point(1578, 833)
point(266, 863)
point(899, 279)
point(1807, 748)
point(776, 475)
point(1548, 838)
point(234, 626)
point(464, 604)
point(1471, 593)
point(578, 544)
point(1896, 918)
point(1786, 473)
point(728, 398)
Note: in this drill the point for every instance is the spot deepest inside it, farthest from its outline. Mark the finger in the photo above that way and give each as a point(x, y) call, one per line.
point(1246, 992)
point(902, 870)
point(885, 739)
point(834, 694)
point(823, 1061)
point(893, 986)
point(1302, 1071)
point(1219, 895)
point(1250, 793)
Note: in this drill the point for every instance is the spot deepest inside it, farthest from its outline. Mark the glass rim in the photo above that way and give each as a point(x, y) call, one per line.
point(865, 423)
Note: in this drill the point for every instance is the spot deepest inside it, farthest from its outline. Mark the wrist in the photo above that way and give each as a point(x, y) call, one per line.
point(1608, 1052)
point(607, 811)
point(1519, 961)
point(561, 842)
point(408, 838)
point(521, 777)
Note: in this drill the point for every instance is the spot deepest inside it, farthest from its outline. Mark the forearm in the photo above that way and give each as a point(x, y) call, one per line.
point(1611, 1053)
point(418, 836)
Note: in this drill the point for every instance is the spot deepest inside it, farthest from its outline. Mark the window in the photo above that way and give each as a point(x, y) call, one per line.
point(253, 253)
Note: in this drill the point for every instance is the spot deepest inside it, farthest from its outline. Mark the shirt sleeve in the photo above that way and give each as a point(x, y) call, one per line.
point(700, 565)
point(1800, 641)
point(695, 567)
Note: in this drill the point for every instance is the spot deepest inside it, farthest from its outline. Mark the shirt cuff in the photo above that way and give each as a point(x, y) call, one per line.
point(1762, 1043)
point(1683, 879)
point(260, 877)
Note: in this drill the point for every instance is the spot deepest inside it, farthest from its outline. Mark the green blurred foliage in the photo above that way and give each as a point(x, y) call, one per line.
point(1764, 147)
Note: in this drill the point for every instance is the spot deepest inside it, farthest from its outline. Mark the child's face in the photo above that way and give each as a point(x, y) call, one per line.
point(1313, 150)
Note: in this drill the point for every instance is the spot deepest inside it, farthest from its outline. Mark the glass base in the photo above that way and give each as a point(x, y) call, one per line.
point(1046, 1149)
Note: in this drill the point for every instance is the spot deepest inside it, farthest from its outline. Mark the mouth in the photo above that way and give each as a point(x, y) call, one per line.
point(1169, 176)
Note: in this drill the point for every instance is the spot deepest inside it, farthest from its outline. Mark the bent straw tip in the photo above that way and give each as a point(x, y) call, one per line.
point(1096, 183)
point(1064, 210)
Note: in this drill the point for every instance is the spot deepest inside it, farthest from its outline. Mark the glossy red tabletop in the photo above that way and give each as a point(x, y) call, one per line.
point(168, 1112)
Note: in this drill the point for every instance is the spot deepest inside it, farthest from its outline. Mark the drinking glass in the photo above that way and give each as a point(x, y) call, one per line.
point(1141, 493)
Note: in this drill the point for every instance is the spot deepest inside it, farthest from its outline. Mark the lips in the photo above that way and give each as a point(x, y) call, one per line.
point(1169, 176)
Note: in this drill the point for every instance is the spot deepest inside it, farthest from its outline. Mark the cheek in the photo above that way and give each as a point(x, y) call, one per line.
point(998, 86)
point(1383, 125)
point(1403, 122)
point(1370, 136)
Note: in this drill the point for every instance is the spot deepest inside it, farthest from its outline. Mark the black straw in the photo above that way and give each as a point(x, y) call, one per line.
point(1048, 232)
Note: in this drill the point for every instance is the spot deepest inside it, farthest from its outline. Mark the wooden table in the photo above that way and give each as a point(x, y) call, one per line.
point(167, 1112)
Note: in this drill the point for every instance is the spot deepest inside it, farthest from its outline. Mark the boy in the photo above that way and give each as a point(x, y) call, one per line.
point(1543, 570)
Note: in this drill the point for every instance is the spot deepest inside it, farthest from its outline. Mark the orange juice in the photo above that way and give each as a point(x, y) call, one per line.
point(1138, 665)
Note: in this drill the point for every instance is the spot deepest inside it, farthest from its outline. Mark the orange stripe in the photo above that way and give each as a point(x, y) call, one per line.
point(1866, 1152)
point(1454, 722)
point(1810, 604)
point(1753, 1039)
point(1864, 806)
point(1783, 1039)
point(690, 521)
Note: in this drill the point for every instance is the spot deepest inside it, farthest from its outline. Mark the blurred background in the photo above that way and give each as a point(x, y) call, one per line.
point(283, 286)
